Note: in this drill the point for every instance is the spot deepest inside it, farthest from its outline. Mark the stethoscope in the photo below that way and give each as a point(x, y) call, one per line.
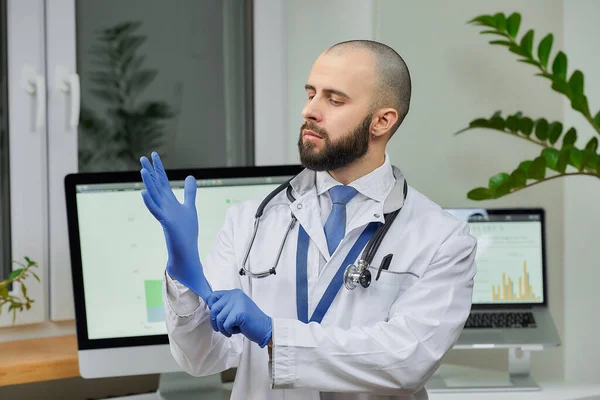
point(354, 274)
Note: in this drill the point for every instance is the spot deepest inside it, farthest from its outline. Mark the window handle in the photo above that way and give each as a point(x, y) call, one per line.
point(35, 85)
point(68, 83)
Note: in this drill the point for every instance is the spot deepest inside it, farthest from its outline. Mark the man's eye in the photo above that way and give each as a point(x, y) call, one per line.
point(335, 102)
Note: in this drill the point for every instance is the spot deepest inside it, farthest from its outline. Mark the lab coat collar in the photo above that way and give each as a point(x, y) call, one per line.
point(305, 191)
point(375, 185)
point(306, 181)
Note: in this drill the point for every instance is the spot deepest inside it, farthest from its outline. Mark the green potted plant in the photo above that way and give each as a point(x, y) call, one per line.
point(17, 303)
point(560, 156)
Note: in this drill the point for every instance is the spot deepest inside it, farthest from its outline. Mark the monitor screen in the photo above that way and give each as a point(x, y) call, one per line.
point(509, 258)
point(123, 250)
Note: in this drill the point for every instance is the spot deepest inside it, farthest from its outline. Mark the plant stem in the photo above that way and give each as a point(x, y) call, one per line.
point(554, 177)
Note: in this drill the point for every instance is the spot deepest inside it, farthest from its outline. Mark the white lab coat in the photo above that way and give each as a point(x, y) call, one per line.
point(382, 342)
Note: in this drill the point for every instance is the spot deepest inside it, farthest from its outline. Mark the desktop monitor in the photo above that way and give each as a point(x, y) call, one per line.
point(118, 258)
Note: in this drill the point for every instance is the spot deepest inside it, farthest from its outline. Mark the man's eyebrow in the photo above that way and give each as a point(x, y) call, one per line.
point(330, 91)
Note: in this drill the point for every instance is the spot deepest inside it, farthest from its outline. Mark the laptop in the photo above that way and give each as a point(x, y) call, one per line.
point(510, 296)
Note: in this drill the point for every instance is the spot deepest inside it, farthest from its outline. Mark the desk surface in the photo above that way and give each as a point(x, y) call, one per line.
point(550, 391)
point(25, 361)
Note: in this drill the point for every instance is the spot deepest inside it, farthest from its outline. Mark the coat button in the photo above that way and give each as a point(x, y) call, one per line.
point(299, 206)
point(376, 215)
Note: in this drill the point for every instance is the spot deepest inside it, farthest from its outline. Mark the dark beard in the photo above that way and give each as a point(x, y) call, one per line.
point(338, 154)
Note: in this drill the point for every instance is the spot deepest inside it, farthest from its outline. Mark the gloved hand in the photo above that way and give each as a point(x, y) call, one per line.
point(232, 311)
point(179, 222)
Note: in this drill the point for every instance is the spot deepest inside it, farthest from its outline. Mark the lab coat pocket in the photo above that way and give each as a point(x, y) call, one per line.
point(385, 291)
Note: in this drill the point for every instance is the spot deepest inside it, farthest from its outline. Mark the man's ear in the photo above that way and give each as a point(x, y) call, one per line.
point(383, 121)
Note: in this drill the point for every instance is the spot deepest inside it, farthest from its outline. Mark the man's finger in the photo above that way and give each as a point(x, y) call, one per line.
point(161, 174)
point(214, 297)
point(152, 207)
point(189, 192)
point(225, 312)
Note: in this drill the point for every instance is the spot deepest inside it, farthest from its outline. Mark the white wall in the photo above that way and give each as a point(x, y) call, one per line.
point(581, 214)
point(313, 26)
point(457, 77)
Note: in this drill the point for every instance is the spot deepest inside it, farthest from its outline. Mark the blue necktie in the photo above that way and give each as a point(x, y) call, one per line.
point(335, 226)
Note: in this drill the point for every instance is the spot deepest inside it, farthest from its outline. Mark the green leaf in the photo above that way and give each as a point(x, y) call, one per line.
point(486, 20)
point(527, 42)
point(498, 179)
point(518, 179)
point(537, 169)
point(579, 103)
point(576, 158)
point(551, 155)
point(515, 48)
point(15, 273)
point(526, 126)
point(576, 83)
point(563, 159)
point(497, 123)
point(512, 24)
point(559, 66)
point(35, 276)
point(545, 75)
point(492, 33)
point(524, 166)
point(554, 131)
point(500, 21)
point(541, 129)
point(562, 87)
point(544, 49)
point(592, 162)
point(501, 42)
point(587, 155)
point(480, 193)
point(570, 137)
point(592, 145)
point(528, 61)
point(512, 123)
point(597, 119)
point(502, 190)
point(24, 290)
point(29, 260)
point(3, 292)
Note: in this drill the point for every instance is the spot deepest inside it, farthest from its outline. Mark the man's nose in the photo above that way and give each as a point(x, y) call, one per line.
point(311, 111)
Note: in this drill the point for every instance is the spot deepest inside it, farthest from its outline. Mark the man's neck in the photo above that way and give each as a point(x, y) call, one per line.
point(361, 167)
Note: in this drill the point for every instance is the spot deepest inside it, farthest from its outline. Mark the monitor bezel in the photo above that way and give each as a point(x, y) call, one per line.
point(72, 180)
point(518, 211)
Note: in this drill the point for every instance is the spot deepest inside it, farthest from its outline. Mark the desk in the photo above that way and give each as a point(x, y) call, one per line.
point(461, 375)
point(550, 391)
point(34, 360)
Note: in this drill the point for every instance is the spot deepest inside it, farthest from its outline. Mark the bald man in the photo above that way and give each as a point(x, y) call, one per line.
point(300, 334)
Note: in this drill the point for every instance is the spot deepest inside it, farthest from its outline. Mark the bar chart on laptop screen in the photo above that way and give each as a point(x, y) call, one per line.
point(509, 262)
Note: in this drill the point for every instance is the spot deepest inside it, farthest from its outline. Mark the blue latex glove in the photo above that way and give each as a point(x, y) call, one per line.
point(232, 311)
point(179, 222)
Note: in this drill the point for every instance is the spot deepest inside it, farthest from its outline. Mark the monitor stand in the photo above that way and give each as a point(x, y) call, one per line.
point(454, 378)
point(182, 386)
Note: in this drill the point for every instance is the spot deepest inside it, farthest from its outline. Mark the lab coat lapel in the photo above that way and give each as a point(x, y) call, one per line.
point(306, 209)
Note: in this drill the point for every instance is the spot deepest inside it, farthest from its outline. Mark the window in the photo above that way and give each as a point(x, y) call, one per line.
point(174, 77)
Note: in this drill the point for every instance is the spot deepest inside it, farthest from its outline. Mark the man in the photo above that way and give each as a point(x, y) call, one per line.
point(385, 340)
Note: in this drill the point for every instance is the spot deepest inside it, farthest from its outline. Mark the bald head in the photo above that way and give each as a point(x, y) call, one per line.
point(393, 85)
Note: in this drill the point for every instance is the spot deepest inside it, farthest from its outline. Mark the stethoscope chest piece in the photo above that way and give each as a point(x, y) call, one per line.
point(355, 275)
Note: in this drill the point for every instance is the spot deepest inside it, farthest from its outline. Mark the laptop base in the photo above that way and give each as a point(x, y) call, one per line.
point(454, 378)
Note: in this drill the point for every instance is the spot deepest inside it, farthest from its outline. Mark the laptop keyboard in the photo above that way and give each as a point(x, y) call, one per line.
point(501, 320)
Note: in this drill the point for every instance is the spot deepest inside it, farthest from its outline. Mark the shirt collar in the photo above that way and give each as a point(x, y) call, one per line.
point(375, 185)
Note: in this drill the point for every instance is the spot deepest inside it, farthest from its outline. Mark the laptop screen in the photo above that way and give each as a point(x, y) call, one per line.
point(510, 255)
point(123, 251)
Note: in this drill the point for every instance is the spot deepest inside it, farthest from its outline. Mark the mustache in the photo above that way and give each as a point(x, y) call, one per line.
point(310, 125)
